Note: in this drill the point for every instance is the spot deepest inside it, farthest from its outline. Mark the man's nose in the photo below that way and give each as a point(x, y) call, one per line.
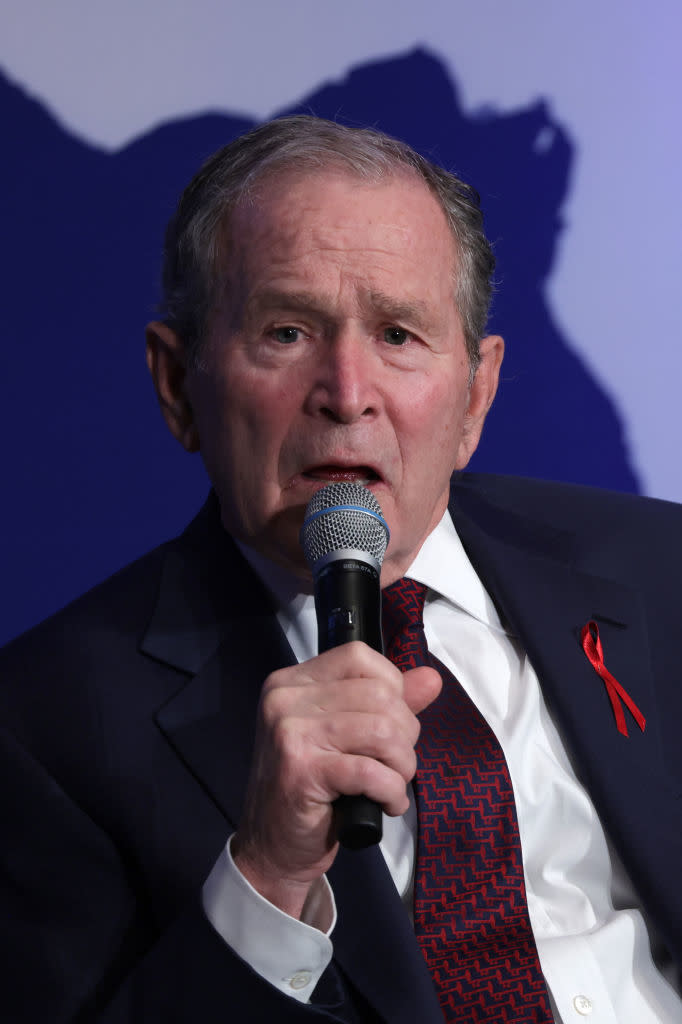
point(345, 384)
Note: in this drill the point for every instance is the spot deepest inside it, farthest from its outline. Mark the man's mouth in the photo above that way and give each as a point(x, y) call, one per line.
point(342, 474)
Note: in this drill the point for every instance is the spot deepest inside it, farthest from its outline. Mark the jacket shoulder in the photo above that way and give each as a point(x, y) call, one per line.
point(566, 505)
point(625, 537)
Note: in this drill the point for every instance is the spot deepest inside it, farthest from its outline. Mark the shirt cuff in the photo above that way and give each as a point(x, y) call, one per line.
point(290, 954)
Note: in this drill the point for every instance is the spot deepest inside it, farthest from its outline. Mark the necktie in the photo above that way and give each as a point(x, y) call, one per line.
point(470, 909)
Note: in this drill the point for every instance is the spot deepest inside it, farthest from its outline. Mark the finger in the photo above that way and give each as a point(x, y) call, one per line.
point(421, 686)
point(386, 738)
point(353, 660)
point(378, 696)
point(298, 748)
point(357, 775)
point(305, 697)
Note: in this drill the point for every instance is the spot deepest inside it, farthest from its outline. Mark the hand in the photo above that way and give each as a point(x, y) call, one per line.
point(342, 723)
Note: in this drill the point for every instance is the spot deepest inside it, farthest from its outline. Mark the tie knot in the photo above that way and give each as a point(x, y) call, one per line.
point(403, 623)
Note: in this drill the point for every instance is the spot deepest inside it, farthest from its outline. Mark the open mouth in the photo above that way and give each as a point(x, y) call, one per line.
point(342, 474)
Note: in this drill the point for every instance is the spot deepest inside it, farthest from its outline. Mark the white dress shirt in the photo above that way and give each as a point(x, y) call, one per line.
point(593, 944)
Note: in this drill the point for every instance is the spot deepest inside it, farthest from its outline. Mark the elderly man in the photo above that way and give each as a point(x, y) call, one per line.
point(175, 747)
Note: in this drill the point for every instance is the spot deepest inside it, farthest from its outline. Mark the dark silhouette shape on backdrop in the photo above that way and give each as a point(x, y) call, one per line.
point(91, 477)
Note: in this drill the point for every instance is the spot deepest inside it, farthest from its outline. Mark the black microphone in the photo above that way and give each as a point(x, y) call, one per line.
point(344, 538)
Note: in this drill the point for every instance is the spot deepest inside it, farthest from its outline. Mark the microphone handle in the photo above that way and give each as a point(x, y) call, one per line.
point(348, 607)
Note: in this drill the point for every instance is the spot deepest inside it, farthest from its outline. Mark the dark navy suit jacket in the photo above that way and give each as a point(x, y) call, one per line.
point(127, 727)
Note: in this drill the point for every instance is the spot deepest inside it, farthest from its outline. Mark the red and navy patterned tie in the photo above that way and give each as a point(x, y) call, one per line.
point(470, 910)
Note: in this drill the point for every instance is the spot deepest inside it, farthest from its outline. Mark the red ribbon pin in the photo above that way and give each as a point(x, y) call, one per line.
point(593, 649)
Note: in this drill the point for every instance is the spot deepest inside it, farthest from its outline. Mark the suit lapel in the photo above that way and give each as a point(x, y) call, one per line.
point(214, 620)
point(545, 599)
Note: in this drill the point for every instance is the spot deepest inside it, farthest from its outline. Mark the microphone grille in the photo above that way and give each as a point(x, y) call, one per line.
point(343, 516)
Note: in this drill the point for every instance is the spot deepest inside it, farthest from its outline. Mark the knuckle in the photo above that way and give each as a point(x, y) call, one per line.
point(360, 655)
point(285, 736)
point(383, 693)
point(275, 680)
point(413, 729)
point(366, 772)
point(271, 709)
point(383, 729)
point(355, 654)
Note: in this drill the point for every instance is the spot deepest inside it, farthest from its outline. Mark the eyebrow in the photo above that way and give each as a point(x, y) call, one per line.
point(414, 312)
point(274, 298)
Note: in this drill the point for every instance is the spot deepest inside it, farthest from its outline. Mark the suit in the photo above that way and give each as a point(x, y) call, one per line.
point(127, 730)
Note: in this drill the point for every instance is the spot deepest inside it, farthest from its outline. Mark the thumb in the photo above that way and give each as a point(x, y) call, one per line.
point(421, 686)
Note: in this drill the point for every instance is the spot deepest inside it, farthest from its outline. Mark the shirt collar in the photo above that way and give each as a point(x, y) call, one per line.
point(441, 564)
point(444, 567)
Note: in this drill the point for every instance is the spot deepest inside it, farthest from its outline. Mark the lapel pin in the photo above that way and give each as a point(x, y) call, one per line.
point(592, 646)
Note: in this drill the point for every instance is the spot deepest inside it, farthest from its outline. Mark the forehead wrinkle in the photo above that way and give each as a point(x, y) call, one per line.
point(291, 244)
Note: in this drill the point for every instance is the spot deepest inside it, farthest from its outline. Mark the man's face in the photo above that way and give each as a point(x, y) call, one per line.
point(336, 353)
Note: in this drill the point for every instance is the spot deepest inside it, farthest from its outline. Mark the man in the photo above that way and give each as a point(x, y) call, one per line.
point(173, 744)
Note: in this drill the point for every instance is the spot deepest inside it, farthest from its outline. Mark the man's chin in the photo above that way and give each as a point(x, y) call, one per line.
point(280, 541)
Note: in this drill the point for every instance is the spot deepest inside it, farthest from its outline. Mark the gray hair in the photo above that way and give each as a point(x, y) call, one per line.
point(195, 238)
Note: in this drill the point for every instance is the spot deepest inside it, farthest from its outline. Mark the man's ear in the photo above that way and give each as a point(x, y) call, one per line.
point(167, 364)
point(481, 395)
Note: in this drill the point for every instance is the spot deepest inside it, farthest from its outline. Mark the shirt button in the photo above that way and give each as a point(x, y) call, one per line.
point(300, 979)
point(582, 1005)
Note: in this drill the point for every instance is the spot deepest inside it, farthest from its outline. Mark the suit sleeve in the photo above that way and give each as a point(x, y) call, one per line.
point(76, 945)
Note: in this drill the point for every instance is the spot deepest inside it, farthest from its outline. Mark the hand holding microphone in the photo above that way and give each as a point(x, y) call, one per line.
point(343, 722)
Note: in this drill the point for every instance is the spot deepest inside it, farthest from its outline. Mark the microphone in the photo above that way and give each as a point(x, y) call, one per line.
point(344, 538)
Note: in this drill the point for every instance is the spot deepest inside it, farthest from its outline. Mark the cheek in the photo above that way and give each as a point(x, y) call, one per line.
point(234, 414)
point(440, 419)
point(260, 426)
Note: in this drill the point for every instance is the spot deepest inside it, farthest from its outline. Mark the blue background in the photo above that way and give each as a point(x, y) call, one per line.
point(91, 477)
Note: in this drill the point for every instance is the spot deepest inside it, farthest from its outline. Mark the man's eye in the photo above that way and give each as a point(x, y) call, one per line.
point(396, 335)
point(286, 335)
